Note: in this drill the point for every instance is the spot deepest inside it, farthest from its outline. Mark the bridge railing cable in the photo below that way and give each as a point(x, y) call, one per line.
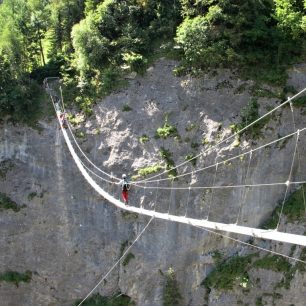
point(116, 263)
point(298, 154)
point(137, 183)
point(251, 245)
point(73, 137)
point(242, 230)
point(228, 138)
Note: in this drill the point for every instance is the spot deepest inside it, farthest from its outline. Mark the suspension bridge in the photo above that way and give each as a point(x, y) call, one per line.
point(216, 228)
point(271, 234)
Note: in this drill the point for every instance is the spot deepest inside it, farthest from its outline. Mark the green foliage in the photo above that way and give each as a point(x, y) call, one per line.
point(228, 273)
point(109, 80)
point(171, 295)
point(167, 130)
point(16, 277)
point(123, 246)
point(126, 108)
point(200, 47)
point(191, 157)
point(32, 195)
point(273, 262)
point(90, 43)
point(277, 264)
point(144, 138)
point(301, 101)
point(217, 256)
point(117, 299)
point(87, 43)
point(5, 167)
point(190, 127)
point(194, 145)
point(300, 265)
point(259, 37)
point(248, 115)
point(127, 259)
point(143, 172)
point(166, 156)
point(259, 302)
point(91, 48)
point(129, 216)
point(294, 209)
point(289, 15)
point(7, 203)
point(19, 98)
point(135, 61)
point(80, 134)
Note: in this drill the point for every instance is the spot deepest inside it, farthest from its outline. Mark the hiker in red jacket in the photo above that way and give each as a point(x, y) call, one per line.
point(125, 187)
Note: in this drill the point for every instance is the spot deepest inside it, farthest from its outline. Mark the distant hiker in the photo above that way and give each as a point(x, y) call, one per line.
point(63, 121)
point(57, 107)
point(125, 187)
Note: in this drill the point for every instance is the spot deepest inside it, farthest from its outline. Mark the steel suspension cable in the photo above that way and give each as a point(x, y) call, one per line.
point(245, 191)
point(78, 146)
point(226, 160)
point(298, 155)
point(116, 263)
point(53, 103)
point(251, 245)
point(288, 181)
point(230, 137)
point(212, 191)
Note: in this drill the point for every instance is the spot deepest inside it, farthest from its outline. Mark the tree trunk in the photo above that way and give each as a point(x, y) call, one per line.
point(42, 52)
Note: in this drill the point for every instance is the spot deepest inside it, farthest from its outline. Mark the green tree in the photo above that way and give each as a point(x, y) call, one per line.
point(172, 296)
point(290, 15)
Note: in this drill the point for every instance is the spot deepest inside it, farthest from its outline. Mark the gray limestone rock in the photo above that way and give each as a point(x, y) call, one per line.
point(69, 237)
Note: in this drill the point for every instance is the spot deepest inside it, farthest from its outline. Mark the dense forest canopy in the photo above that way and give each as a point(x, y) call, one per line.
point(91, 44)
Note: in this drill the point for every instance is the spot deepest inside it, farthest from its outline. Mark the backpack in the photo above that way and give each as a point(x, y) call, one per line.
point(125, 186)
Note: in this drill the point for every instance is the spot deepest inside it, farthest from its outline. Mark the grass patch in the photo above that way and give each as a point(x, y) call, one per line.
point(272, 75)
point(294, 209)
point(117, 299)
point(228, 273)
point(75, 119)
point(143, 172)
point(301, 102)
point(16, 277)
point(32, 195)
point(144, 138)
point(127, 259)
point(273, 262)
point(126, 108)
point(7, 203)
point(248, 115)
point(260, 92)
point(277, 264)
point(80, 134)
point(166, 156)
point(129, 216)
point(167, 130)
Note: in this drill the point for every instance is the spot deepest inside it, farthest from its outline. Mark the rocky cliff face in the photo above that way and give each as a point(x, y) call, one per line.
point(68, 236)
